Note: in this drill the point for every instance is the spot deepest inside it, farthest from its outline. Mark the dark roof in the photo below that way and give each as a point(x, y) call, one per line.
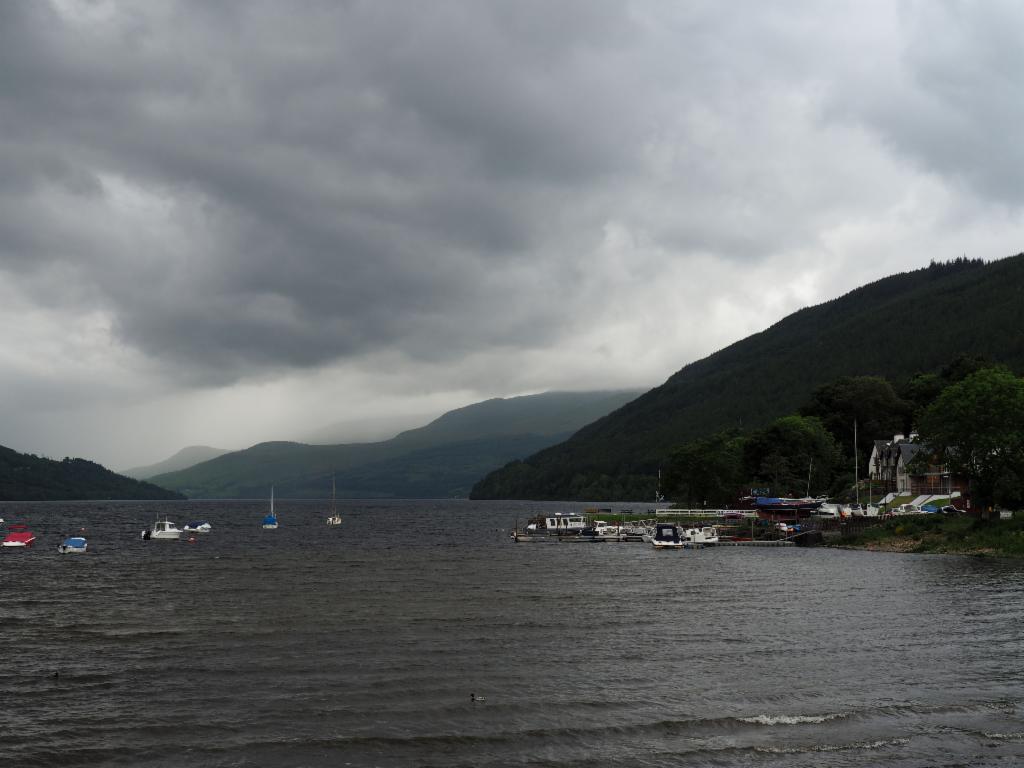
point(909, 450)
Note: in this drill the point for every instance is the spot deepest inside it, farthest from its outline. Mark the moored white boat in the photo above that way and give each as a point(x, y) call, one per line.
point(557, 524)
point(161, 529)
point(637, 531)
point(553, 527)
point(700, 536)
point(666, 536)
point(197, 526)
point(335, 518)
point(603, 531)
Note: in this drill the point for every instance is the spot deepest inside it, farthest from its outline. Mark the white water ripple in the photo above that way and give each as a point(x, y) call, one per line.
point(789, 719)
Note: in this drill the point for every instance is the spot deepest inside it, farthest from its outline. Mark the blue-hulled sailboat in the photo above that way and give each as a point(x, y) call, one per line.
point(270, 521)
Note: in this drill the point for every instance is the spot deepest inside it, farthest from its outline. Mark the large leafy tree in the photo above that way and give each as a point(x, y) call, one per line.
point(707, 471)
point(920, 391)
point(870, 401)
point(977, 426)
point(792, 455)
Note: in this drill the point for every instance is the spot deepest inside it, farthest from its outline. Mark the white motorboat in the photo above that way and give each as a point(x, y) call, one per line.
point(638, 531)
point(666, 536)
point(600, 530)
point(557, 524)
point(197, 526)
point(162, 529)
point(700, 536)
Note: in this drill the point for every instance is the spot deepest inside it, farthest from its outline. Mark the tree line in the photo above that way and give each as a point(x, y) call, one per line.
point(27, 477)
point(970, 415)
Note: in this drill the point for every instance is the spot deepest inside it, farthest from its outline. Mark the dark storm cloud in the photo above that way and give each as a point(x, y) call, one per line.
point(244, 187)
point(337, 176)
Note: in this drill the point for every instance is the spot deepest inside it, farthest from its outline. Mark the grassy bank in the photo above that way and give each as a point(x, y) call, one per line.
point(945, 535)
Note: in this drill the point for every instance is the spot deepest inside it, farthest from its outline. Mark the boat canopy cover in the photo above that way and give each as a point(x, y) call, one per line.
point(74, 541)
point(196, 523)
point(666, 532)
point(269, 519)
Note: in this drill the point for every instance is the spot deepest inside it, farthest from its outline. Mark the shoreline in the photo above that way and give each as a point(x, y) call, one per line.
point(912, 546)
point(943, 535)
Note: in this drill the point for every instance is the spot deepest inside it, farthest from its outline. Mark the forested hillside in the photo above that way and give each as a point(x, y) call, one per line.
point(25, 477)
point(894, 328)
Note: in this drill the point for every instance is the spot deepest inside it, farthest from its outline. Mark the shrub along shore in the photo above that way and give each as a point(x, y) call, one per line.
point(942, 534)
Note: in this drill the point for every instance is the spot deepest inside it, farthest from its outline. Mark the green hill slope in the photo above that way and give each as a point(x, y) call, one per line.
point(24, 477)
point(442, 459)
point(909, 322)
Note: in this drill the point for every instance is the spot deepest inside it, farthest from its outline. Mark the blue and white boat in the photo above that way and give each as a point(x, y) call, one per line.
point(73, 545)
point(270, 521)
point(197, 526)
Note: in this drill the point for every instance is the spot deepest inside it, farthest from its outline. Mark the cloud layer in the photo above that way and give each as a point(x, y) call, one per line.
point(303, 212)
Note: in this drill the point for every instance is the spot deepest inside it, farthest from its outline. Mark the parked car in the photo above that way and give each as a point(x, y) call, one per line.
point(949, 509)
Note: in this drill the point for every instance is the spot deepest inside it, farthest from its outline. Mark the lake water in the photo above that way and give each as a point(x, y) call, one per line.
point(360, 645)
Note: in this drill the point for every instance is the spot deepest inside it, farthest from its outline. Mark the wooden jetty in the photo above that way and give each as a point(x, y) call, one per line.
point(757, 543)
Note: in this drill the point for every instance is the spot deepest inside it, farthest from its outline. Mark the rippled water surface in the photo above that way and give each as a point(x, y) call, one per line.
point(360, 645)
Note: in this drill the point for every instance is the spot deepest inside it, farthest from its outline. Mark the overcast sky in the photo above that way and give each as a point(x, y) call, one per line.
point(222, 223)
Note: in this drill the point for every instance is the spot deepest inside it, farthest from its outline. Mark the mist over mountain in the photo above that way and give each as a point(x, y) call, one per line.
point(183, 459)
point(369, 430)
point(439, 460)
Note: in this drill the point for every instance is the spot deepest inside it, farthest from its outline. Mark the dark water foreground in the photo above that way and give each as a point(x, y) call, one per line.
point(360, 645)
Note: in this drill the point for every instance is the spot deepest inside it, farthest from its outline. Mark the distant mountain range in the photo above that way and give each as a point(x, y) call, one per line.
point(440, 460)
point(25, 477)
point(183, 459)
point(895, 327)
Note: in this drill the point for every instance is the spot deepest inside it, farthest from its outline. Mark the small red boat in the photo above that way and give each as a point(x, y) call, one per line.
point(18, 535)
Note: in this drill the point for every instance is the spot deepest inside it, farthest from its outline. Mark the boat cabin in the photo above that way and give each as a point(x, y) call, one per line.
point(569, 522)
point(557, 523)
